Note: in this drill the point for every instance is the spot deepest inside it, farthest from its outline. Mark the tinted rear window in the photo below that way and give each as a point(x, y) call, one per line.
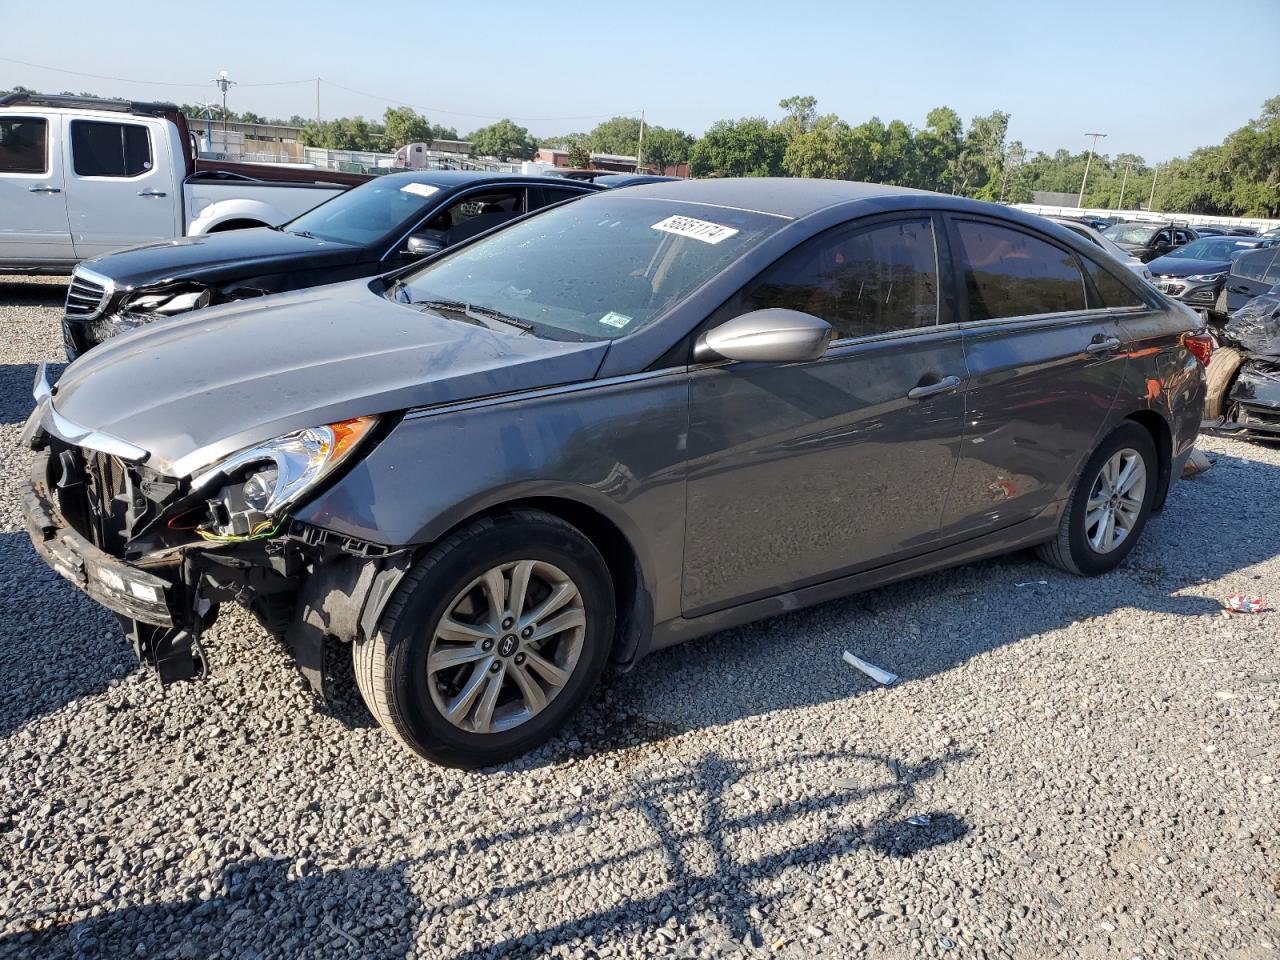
point(109, 149)
point(1111, 290)
point(1253, 266)
point(1009, 273)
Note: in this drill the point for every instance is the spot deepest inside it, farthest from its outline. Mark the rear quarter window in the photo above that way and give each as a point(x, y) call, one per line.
point(1113, 292)
point(1010, 273)
point(24, 145)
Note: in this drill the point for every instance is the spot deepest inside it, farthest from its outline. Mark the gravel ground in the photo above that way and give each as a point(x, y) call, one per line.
point(1098, 760)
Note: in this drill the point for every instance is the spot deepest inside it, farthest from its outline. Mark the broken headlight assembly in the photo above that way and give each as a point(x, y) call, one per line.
point(168, 302)
point(260, 484)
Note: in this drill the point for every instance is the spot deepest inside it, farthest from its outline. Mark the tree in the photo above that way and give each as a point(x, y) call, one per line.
point(801, 114)
point(345, 133)
point(749, 147)
point(824, 150)
point(505, 140)
point(619, 135)
point(664, 148)
point(404, 126)
point(579, 156)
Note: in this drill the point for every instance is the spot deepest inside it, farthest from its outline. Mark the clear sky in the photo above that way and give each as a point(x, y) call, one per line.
point(1160, 78)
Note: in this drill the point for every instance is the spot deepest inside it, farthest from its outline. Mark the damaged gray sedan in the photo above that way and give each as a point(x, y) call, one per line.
point(1244, 375)
point(607, 428)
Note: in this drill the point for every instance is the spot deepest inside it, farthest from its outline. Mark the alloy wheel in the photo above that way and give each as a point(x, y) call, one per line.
point(506, 646)
point(1115, 500)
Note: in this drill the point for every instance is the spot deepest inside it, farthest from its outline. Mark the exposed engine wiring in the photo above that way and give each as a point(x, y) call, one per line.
point(263, 531)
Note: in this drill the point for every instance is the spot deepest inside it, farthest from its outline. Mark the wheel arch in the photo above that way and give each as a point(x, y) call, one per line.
point(629, 570)
point(235, 223)
point(1162, 437)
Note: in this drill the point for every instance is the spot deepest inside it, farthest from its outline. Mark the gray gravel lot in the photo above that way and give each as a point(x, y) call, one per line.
point(1098, 759)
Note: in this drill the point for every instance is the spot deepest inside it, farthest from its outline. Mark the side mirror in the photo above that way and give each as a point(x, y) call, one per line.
point(424, 244)
point(766, 336)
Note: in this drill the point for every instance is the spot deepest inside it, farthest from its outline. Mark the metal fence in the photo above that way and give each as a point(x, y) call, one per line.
point(1257, 223)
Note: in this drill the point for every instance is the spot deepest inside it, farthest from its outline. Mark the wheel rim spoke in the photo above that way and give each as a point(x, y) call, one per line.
point(558, 624)
point(520, 574)
point(1099, 530)
point(482, 721)
point(495, 591)
point(547, 670)
point(459, 706)
point(458, 632)
point(445, 657)
point(534, 698)
point(561, 594)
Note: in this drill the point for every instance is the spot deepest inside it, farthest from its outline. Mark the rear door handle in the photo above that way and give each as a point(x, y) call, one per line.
point(44, 189)
point(929, 389)
point(152, 193)
point(1106, 345)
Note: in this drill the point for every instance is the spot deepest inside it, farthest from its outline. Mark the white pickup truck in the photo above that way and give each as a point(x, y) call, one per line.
point(80, 177)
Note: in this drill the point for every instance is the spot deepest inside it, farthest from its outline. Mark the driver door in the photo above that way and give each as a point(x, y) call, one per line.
point(804, 472)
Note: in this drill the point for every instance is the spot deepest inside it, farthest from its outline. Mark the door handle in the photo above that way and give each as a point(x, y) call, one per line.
point(152, 193)
point(44, 189)
point(929, 389)
point(1105, 345)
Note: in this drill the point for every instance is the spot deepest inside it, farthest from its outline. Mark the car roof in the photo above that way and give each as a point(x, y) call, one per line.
point(792, 197)
point(448, 179)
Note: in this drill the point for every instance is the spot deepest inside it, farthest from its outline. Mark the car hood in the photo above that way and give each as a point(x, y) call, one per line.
point(1186, 267)
point(195, 388)
point(240, 253)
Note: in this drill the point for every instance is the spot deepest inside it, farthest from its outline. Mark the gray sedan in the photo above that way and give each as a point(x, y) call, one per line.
point(609, 427)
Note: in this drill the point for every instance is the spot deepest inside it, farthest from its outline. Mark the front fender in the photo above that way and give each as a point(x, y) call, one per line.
point(614, 447)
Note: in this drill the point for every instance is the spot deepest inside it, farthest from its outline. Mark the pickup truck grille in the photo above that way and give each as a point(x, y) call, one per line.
point(85, 298)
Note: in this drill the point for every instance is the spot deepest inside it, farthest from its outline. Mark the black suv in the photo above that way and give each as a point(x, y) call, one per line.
point(1146, 241)
point(379, 226)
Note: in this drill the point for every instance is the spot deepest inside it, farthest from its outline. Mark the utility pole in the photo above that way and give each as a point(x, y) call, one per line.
point(1127, 164)
point(223, 82)
point(1088, 163)
point(1155, 172)
point(640, 146)
point(317, 99)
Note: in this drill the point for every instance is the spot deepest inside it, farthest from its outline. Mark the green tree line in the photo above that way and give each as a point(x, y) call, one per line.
point(1240, 176)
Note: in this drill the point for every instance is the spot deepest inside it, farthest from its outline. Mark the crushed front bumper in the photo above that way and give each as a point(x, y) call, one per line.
point(118, 586)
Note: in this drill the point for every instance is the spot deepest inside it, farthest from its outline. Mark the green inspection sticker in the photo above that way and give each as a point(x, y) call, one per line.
point(613, 319)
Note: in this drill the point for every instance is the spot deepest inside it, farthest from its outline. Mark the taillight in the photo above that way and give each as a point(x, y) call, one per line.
point(1200, 346)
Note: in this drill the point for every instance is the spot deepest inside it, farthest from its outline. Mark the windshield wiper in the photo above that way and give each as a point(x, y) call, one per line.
point(301, 233)
point(472, 312)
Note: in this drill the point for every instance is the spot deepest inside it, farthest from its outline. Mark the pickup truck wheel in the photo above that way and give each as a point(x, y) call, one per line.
point(1218, 377)
point(1109, 506)
point(491, 641)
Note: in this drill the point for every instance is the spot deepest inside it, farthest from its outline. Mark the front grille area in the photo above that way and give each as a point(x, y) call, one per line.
point(84, 298)
point(93, 491)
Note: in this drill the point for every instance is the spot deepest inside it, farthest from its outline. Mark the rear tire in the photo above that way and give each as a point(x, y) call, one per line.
point(1081, 546)
point(1218, 377)
point(511, 676)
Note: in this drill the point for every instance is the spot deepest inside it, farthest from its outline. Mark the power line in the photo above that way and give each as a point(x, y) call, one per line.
point(399, 101)
point(153, 83)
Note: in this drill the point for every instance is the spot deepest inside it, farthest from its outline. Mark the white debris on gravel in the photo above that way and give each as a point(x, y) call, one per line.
point(1096, 761)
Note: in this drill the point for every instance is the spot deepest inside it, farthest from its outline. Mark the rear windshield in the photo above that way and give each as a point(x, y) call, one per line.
point(1130, 233)
point(598, 268)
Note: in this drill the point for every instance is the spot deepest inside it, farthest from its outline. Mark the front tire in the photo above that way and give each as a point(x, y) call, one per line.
point(491, 641)
point(1109, 506)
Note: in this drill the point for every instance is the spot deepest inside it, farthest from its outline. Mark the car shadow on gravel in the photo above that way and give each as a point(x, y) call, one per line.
point(56, 645)
point(16, 291)
point(839, 803)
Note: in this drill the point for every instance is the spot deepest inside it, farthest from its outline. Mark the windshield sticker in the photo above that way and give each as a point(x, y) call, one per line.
point(612, 319)
point(702, 230)
point(419, 189)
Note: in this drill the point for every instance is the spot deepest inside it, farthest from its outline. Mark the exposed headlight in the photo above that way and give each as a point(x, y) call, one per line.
point(1206, 277)
point(257, 486)
point(169, 303)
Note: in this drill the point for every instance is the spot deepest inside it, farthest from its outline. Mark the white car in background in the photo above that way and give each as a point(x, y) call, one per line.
point(1116, 251)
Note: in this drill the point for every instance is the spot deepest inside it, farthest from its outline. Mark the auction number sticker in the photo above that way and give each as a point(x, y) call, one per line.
point(703, 230)
point(614, 319)
point(419, 189)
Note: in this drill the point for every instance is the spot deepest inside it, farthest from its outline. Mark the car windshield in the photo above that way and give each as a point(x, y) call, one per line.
point(367, 213)
point(1214, 248)
point(602, 267)
point(1138, 233)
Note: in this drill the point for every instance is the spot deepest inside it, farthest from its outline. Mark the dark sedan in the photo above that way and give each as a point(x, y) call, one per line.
point(1252, 274)
point(379, 226)
point(1196, 273)
point(1146, 241)
point(610, 427)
